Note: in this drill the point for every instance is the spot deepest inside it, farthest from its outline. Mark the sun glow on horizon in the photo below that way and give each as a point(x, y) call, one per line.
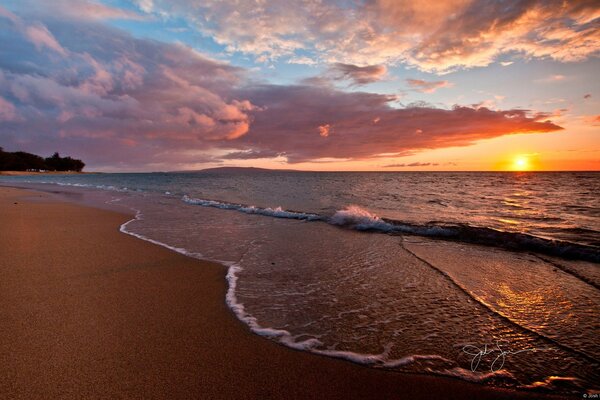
point(521, 163)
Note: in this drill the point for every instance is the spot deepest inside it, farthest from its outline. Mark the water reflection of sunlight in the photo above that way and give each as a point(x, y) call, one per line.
point(508, 221)
point(535, 307)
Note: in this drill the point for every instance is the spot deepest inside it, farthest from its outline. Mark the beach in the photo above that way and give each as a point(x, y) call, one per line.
point(90, 312)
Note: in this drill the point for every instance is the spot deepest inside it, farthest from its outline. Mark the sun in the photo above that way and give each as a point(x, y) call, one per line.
point(520, 163)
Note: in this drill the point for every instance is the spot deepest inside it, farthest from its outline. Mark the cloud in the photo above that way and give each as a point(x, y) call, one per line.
point(77, 9)
point(481, 30)
point(8, 112)
point(117, 98)
point(249, 155)
point(145, 5)
point(324, 130)
point(121, 102)
point(552, 78)
point(427, 87)
point(592, 120)
point(413, 164)
point(35, 32)
point(289, 114)
point(302, 60)
point(39, 35)
point(440, 36)
point(357, 75)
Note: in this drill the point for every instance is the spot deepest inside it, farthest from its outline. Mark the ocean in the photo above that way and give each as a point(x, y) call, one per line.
point(487, 277)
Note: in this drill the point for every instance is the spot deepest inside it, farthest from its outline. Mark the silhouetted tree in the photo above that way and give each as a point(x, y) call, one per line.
point(22, 161)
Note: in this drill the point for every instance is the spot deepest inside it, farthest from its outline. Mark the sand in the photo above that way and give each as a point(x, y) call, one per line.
point(89, 312)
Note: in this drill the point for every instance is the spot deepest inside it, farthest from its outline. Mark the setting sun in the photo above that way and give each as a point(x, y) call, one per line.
point(520, 163)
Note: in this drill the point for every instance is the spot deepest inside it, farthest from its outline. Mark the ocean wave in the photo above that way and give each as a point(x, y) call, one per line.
point(358, 218)
point(276, 212)
point(84, 185)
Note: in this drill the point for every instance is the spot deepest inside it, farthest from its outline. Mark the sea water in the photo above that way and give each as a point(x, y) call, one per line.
point(490, 277)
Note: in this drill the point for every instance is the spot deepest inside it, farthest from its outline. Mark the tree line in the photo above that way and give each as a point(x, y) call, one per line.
point(22, 161)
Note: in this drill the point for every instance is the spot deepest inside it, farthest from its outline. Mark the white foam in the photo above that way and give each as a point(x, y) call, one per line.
point(277, 212)
point(313, 344)
point(230, 298)
point(477, 377)
point(360, 219)
point(412, 359)
point(138, 216)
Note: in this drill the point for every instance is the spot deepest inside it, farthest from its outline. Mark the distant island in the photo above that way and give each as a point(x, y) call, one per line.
point(239, 169)
point(22, 161)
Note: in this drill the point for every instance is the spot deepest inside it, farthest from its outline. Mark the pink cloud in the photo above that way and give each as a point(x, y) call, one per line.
point(592, 120)
point(93, 10)
point(4, 13)
point(79, 9)
point(427, 86)
point(8, 112)
point(37, 33)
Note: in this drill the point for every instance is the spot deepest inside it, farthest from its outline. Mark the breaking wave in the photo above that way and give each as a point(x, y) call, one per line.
point(277, 212)
point(355, 217)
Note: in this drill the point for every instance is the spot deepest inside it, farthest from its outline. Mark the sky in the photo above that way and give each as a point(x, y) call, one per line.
point(388, 85)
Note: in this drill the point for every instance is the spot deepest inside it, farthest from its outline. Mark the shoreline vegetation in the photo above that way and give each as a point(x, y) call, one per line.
point(28, 162)
point(25, 173)
point(91, 312)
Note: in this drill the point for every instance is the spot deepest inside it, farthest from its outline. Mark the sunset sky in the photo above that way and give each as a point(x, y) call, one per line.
point(388, 85)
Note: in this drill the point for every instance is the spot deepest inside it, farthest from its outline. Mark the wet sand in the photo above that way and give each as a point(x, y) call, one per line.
point(89, 312)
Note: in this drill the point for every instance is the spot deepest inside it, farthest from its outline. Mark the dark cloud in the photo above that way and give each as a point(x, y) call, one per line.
point(413, 164)
point(357, 75)
point(250, 155)
point(365, 125)
point(124, 98)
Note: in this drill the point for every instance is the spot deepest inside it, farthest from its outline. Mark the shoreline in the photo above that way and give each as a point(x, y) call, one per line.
point(105, 314)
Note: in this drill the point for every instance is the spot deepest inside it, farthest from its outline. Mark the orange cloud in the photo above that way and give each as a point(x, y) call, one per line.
point(324, 130)
point(434, 36)
point(593, 120)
